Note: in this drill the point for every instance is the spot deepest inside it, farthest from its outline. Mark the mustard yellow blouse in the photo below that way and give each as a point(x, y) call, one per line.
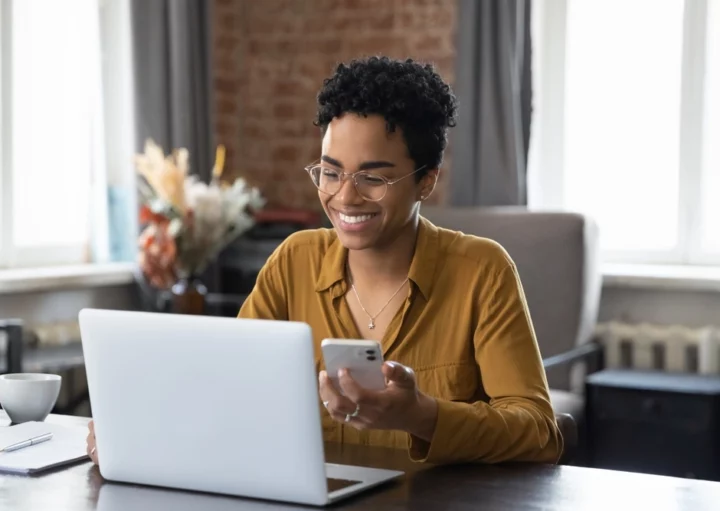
point(465, 329)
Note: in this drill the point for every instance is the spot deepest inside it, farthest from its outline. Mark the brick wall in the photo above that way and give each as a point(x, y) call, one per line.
point(271, 57)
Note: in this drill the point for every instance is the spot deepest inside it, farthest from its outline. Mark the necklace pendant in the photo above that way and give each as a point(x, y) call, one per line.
point(371, 325)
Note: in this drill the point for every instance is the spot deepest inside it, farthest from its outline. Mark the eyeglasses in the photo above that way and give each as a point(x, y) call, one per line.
point(371, 187)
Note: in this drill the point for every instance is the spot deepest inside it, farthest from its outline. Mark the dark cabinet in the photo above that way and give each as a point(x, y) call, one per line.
point(653, 422)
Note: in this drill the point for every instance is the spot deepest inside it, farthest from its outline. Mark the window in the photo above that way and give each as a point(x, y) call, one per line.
point(627, 122)
point(52, 169)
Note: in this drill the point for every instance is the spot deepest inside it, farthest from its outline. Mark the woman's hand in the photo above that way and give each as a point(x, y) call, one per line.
point(91, 446)
point(399, 406)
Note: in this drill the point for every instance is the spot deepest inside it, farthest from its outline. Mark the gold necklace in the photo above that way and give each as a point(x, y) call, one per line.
point(371, 325)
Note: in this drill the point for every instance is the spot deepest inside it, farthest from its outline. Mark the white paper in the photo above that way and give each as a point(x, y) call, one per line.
point(66, 446)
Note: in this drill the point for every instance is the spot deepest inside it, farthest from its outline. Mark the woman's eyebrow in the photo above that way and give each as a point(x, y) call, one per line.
point(331, 161)
point(366, 165)
point(379, 164)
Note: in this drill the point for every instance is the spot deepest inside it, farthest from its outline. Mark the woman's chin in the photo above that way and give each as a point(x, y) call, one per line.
point(353, 241)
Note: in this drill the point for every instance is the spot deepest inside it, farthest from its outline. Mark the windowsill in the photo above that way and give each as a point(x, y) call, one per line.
point(662, 277)
point(639, 276)
point(23, 280)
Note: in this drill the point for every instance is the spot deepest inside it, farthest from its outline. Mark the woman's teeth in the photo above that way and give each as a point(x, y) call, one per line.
point(355, 219)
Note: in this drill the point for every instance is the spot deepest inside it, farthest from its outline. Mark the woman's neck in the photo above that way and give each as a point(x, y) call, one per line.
point(386, 264)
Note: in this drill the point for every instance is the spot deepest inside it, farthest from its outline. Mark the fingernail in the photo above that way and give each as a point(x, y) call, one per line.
point(342, 372)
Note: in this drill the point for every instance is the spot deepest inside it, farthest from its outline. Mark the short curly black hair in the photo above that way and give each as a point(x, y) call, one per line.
point(405, 93)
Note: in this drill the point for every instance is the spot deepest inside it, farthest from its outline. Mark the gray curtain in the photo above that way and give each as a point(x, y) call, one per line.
point(172, 66)
point(493, 85)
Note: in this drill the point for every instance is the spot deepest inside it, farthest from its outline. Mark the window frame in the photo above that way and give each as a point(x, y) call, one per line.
point(547, 168)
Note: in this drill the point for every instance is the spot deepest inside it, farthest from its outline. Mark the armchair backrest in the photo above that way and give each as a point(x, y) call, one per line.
point(557, 258)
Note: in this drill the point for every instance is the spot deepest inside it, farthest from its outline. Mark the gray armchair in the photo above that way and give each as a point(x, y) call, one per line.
point(558, 260)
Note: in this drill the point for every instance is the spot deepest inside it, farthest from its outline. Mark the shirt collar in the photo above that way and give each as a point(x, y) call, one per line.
point(424, 262)
point(333, 266)
point(422, 267)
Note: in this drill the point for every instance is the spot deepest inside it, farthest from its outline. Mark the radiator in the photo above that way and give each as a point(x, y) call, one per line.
point(673, 348)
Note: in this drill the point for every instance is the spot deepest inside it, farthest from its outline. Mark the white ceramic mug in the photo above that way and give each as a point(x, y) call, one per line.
point(29, 396)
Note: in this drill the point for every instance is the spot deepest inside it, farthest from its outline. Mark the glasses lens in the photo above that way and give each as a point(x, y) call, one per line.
point(326, 179)
point(329, 181)
point(370, 187)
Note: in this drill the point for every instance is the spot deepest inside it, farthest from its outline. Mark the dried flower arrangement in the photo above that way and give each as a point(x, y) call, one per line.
point(186, 222)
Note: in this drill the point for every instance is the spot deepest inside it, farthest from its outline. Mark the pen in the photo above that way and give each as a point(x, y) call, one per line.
point(27, 443)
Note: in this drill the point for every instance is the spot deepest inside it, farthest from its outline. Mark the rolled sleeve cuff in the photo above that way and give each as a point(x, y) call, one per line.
point(467, 433)
point(445, 446)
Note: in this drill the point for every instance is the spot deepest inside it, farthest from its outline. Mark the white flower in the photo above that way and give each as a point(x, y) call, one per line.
point(205, 201)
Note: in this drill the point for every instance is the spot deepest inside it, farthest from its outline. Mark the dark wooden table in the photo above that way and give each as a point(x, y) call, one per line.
point(489, 488)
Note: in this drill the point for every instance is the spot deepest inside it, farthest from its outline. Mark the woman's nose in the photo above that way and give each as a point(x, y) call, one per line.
point(348, 194)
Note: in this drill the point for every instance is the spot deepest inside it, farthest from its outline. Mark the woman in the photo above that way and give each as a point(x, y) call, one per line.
point(466, 381)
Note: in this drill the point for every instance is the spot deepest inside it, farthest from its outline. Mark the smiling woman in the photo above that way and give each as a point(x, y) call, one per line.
point(465, 381)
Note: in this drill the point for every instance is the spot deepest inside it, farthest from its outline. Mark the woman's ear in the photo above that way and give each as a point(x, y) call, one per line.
point(427, 184)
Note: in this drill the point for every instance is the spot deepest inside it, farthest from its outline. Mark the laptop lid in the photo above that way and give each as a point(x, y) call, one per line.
point(211, 404)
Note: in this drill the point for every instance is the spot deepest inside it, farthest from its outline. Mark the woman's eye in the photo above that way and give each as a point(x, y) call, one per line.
point(373, 180)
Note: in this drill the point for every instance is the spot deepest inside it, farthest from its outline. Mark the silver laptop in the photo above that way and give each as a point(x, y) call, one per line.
point(219, 405)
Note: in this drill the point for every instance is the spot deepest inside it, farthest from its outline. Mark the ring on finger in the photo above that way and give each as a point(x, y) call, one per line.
point(354, 414)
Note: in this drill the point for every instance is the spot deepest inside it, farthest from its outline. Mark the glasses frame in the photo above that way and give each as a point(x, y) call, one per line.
point(345, 175)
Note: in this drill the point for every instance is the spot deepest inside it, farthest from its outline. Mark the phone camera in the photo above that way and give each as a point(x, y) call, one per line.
point(371, 357)
point(370, 352)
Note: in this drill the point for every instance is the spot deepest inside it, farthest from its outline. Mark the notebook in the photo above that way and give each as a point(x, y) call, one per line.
point(66, 446)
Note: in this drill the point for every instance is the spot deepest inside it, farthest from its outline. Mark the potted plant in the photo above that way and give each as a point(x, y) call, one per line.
point(186, 223)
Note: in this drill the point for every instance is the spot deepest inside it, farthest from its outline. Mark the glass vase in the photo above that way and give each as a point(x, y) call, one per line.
point(189, 296)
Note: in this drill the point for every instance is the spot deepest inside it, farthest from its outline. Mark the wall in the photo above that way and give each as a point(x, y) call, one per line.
point(271, 57)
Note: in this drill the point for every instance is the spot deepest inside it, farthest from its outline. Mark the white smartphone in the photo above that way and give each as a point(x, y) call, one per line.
point(362, 358)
